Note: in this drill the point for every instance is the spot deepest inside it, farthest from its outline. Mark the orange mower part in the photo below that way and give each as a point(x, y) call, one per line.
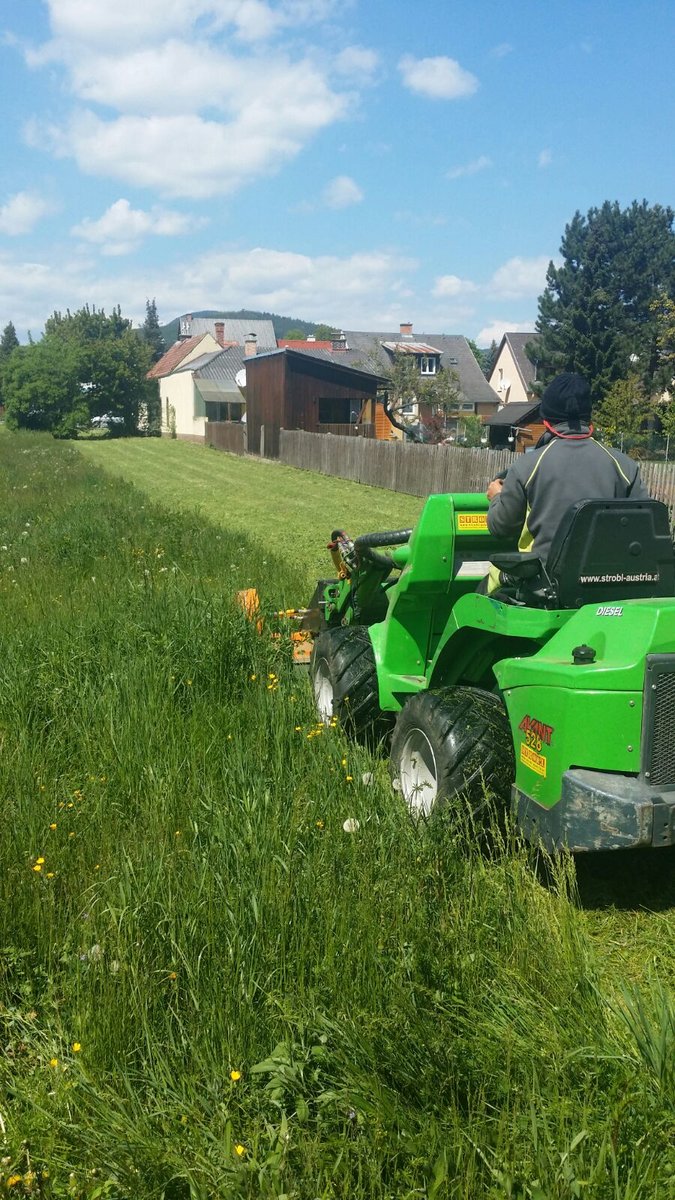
point(249, 602)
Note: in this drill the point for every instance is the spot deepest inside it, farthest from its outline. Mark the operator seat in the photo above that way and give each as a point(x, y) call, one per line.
point(602, 551)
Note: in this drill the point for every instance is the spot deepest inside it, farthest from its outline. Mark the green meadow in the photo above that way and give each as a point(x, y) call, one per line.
point(231, 966)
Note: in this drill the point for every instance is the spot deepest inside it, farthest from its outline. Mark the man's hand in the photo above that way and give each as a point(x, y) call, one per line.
point(494, 488)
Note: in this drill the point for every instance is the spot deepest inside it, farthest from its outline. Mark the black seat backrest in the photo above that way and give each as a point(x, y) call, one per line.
point(609, 550)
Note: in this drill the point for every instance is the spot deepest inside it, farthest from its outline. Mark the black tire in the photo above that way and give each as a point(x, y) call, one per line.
point(344, 680)
point(452, 748)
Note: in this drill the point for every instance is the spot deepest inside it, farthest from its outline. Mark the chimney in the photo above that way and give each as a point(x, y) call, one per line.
point(406, 329)
point(220, 333)
point(339, 343)
point(185, 326)
point(250, 345)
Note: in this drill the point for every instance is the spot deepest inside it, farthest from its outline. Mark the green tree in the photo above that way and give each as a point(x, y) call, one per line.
point(622, 414)
point(294, 335)
point(595, 312)
point(490, 358)
point(43, 389)
point(325, 333)
point(86, 365)
point(8, 343)
point(663, 308)
point(151, 332)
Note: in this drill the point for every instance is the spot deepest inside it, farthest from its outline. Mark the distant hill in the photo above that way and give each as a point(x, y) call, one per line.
point(281, 324)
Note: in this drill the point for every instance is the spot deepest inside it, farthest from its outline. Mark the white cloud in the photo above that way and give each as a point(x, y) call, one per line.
point(128, 22)
point(495, 331)
point(452, 285)
point(519, 277)
point(438, 78)
point(369, 289)
point(219, 157)
point(21, 213)
point(122, 228)
point(357, 63)
point(470, 168)
point(341, 192)
point(545, 158)
point(190, 109)
point(502, 50)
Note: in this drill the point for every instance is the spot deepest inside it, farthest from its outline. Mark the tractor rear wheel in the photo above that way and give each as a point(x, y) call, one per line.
point(344, 680)
point(452, 747)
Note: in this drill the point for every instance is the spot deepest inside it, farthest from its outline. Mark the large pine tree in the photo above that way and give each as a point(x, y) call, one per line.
point(595, 316)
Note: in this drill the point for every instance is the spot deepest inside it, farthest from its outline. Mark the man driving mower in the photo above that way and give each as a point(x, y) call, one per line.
point(567, 465)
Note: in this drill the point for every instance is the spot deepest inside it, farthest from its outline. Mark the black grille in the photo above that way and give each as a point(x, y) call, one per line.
point(658, 759)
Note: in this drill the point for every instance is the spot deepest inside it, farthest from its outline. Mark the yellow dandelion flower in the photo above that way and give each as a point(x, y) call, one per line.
point(50, 874)
point(172, 975)
point(349, 778)
point(253, 677)
point(37, 867)
point(53, 1062)
point(320, 824)
point(240, 1150)
point(97, 866)
point(13, 1180)
point(53, 825)
point(344, 762)
point(235, 1076)
point(298, 728)
point(76, 1047)
point(40, 860)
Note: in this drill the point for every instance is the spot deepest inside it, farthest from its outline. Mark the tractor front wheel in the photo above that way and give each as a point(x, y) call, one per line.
point(452, 746)
point(344, 680)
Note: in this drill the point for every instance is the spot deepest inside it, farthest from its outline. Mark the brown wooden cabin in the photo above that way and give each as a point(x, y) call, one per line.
point(293, 389)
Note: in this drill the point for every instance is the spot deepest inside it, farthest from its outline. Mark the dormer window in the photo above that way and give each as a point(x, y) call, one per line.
point(428, 364)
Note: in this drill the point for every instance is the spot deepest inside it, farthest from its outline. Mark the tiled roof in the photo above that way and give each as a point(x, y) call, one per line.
point(456, 355)
point(517, 343)
point(234, 329)
point(173, 357)
point(217, 366)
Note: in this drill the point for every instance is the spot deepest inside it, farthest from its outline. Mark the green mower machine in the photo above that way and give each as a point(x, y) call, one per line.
point(558, 690)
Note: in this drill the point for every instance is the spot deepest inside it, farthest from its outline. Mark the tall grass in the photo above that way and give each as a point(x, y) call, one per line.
point(231, 966)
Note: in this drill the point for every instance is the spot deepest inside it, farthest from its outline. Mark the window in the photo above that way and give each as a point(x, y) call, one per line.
point(428, 364)
point(468, 407)
point(336, 410)
point(409, 409)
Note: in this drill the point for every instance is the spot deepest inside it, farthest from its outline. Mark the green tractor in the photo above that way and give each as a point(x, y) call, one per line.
point(557, 693)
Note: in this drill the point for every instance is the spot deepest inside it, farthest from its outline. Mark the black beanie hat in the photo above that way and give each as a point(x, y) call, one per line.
point(567, 398)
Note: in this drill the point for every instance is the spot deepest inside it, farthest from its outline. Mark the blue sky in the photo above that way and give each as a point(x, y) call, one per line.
point(359, 162)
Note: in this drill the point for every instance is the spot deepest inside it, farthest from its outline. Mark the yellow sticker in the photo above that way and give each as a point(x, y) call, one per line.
point(530, 758)
point(467, 522)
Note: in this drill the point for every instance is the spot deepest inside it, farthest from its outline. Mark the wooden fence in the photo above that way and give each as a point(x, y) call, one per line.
point(398, 466)
point(423, 470)
point(226, 435)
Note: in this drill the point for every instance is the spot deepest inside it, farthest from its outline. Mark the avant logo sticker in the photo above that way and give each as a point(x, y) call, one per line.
point(536, 733)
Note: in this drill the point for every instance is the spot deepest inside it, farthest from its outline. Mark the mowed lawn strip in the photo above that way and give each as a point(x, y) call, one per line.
point(290, 511)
